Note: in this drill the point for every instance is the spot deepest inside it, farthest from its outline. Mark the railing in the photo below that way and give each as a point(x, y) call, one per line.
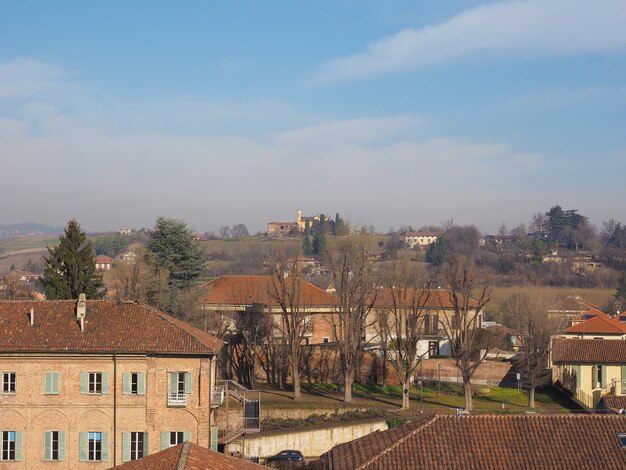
point(176, 399)
point(217, 396)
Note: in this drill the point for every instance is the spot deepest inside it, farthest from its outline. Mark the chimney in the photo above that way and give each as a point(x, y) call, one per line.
point(32, 316)
point(81, 311)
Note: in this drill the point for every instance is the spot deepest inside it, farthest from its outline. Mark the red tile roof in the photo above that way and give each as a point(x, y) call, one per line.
point(613, 402)
point(588, 351)
point(188, 456)
point(423, 234)
point(103, 259)
point(435, 298)
point(599, 324)
point(248, 290)
point(109, 327)
point(489, 441)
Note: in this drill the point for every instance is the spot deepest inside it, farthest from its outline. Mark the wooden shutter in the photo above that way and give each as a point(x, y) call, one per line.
point(604, 375)
point(47, 443)
point(105, 446)
point(165, 440)
point(173, 382)
point(105, 383)
point(61, 445)
point(83, 447)
point(214, 435)
point(84, 382)
point(186, 436)
point(141, 383)
point(188, 381)
point(18, 445)
point(146, 447)
point(126, 378)
point(125, 446)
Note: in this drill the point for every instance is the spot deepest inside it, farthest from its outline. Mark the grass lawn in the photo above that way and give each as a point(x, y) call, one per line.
point(23, 243)
point(446, 399)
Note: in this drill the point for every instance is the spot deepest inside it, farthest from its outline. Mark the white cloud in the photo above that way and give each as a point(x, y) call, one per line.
point(25, 77)
point(533, 28)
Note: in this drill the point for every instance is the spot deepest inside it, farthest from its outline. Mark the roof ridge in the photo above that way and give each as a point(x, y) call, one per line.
point(184, 454)
point(173, 321)
point(398, 442)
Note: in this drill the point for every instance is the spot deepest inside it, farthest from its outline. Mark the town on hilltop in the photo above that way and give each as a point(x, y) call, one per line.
point(316, 345)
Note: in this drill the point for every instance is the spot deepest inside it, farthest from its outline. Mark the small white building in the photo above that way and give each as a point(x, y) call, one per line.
point(420, 239)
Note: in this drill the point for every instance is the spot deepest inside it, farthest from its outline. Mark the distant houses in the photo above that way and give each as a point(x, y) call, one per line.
point(420, 240)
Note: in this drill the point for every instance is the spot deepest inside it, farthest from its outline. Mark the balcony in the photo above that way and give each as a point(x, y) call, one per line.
point(176, 399)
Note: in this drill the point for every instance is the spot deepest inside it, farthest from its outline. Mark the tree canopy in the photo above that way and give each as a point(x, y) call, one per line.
point(70, 269)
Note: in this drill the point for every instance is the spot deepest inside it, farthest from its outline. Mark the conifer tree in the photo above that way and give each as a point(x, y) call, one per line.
point(70, 268)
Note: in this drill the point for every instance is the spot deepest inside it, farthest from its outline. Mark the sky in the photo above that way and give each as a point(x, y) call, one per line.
point(390, 113)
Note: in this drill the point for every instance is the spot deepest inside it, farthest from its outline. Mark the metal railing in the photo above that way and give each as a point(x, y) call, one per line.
point(217, 396)
point(176, 399)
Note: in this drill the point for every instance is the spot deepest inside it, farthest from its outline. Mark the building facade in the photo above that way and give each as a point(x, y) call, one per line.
point(92, 384)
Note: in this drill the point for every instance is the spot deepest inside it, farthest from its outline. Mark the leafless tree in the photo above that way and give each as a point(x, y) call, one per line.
point(286, 289)
point(406, 302)
point(527, 313)
point(469, 293)
point(352, 277)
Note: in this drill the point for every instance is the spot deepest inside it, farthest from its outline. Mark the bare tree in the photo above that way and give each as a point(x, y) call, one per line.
point(286, 289)
point(406, 302)
point(469, 293)
point(528, 315)
point(352, 277)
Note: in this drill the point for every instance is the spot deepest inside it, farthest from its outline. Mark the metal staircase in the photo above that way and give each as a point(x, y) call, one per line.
point(250, 400)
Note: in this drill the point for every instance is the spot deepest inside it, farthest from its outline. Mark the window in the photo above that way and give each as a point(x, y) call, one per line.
point(433, 348)
point(9, 445)
point(622, 439)
point(54, 445)
point(94, 446)
point(51, 383)
point(325, 339)
point(134, 383)
point(94, 383)
point(134, 445)
point(8, 382)
point(173, 438)
point(180, 382)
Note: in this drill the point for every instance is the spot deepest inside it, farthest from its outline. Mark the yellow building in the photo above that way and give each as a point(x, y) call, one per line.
point(91, 384)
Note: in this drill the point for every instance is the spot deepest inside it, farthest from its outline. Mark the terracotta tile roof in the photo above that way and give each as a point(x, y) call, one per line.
point(188, 456)
point(109, 327)
point(571, 305)
point(490, 441)
point(613, 402)
point(599, 324)
point(587, 315)
point(248, 290)
point(588, 351)
point(435, 298)
point(103, 259)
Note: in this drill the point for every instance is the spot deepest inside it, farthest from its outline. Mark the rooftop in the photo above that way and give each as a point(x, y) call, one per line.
point(588, 351)
point(249, 290)
point(598, 324)
point(188, 456)
point(571, 304)
point(109, 327)
point(489, 441)
point(434, 298)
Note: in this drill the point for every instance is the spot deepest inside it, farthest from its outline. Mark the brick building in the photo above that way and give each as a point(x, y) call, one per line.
point(256, 295)
point(91, 384)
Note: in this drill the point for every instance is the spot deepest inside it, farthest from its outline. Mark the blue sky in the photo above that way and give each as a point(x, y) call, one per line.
point(390, 113)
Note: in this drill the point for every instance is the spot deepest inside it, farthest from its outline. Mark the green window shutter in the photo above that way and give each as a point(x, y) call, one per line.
point(594, 377)
point(47, 445)
point(141, 383)
point(186, 436)
point(578, 372)
point(47, 383)
point(623, 390)
point(105, 383)
point(18, 445)
point(55, 383)
point(105, 446)
point(83, 447)
point(84, 385)
point(188, 382)
point(214, 431)
point(126, 383)
point(146, 446)
point(604, 375)
point(173, 382)
point(125, 446)
point(165, 440)
point(61, 445)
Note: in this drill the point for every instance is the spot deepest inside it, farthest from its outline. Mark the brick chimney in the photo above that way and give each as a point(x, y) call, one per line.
point(81, 311)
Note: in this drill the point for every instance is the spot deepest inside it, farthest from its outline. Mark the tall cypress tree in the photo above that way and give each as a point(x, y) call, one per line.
point(70, 268)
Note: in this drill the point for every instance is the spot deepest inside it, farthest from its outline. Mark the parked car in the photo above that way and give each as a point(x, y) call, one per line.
point(286, 459)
